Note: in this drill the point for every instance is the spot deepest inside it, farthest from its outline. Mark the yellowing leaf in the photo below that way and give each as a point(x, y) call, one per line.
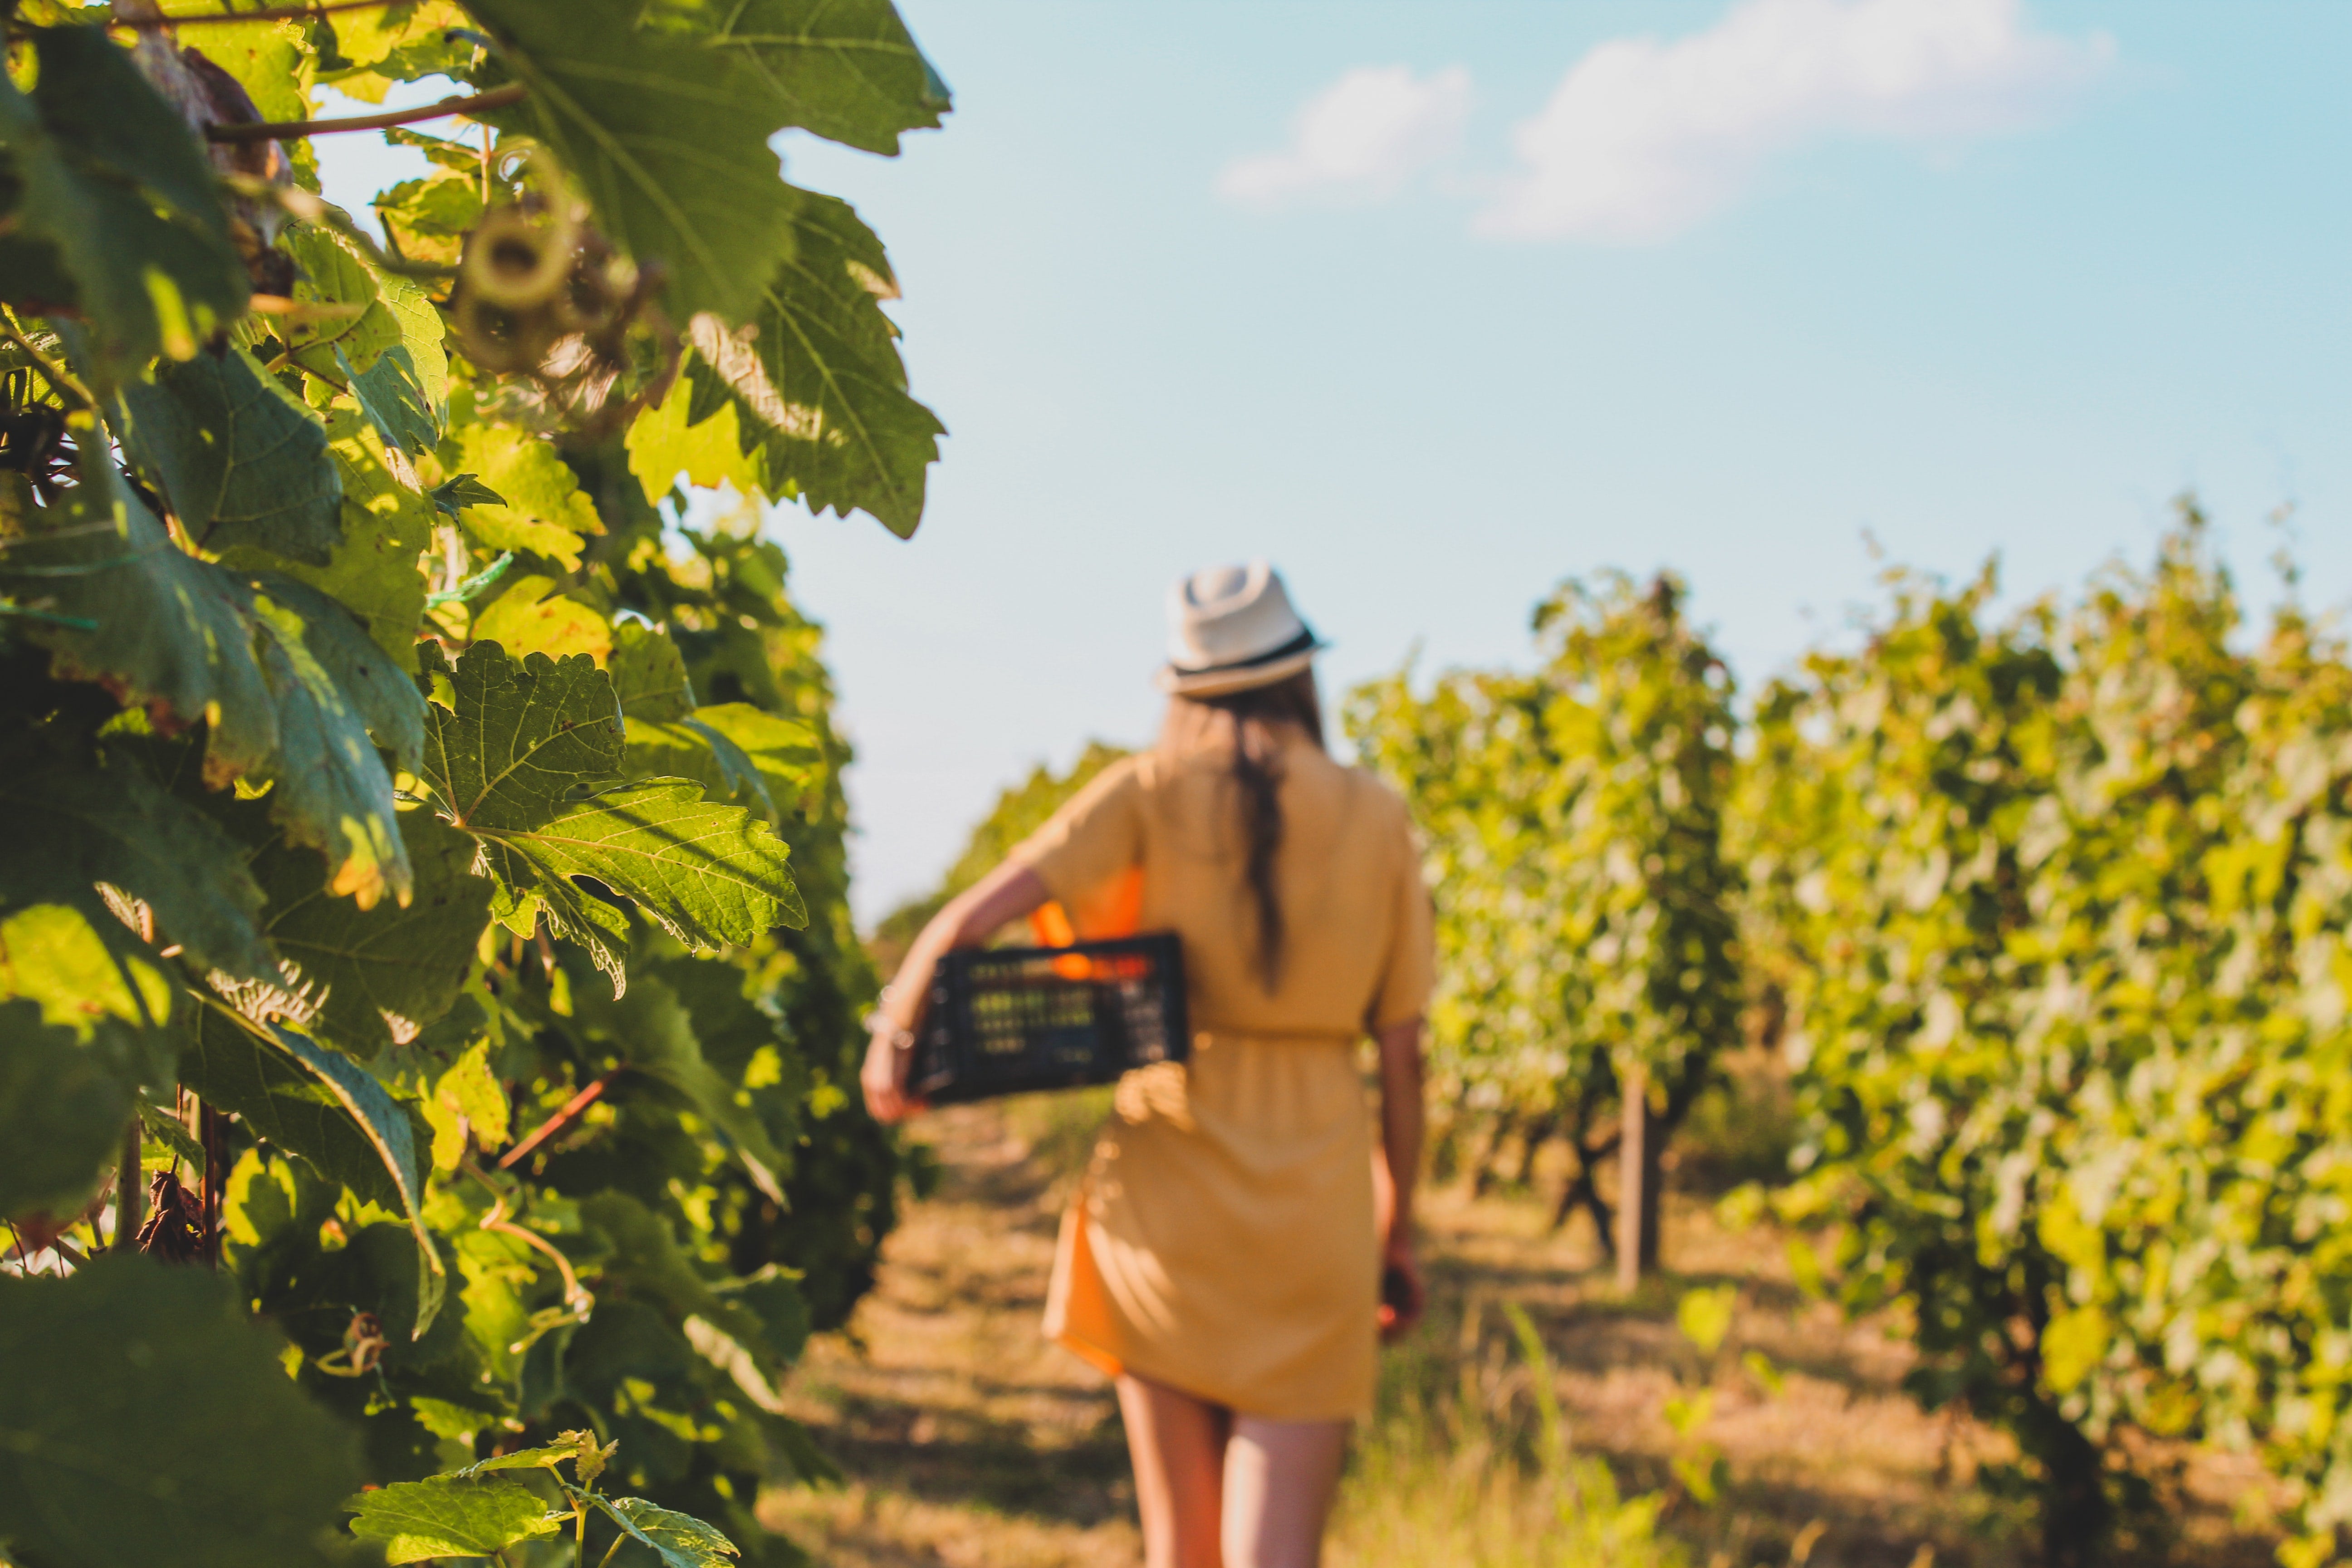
point(531, 617)
point(545, 512)
point(663, 447)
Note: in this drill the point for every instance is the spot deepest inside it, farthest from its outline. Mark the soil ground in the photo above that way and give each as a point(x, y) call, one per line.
point(966, 1440)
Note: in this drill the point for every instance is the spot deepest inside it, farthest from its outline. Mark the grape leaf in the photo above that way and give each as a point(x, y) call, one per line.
point(287, 681)
point(455, 494)
point(648, 675)
point(651, 1032)
point(395, 312)
point(62, 1107)
point(115, 194)
point(384, 700)
point(444, 1517)
point(848, 72)
point(388, 394)
point(331, 273)
point(505, 751)
point(734, 751)
point(83, 968)
point(544, 511)
point(512, 737)
point(431, 217)
point(708, 874)
point(531, 617)
point(386, 527)
point(667, 140)
point(148, 1420)
point(75, 823)
point(663, 446)
point(321, 1106)
point(224, 1063)
point(384, 972)
point(681, 1540)
point(330, 686)
point(239, 460)
point(819, 393)
point(399, 42)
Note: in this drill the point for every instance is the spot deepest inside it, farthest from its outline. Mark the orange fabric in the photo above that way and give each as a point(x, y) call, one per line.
point(1223, 1241)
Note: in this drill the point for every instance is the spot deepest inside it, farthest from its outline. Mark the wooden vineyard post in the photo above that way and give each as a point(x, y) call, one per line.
point(1637, 1185)
point(129, 1191)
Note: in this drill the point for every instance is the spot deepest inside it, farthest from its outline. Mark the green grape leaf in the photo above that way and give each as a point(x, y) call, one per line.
point(388, 394)
point(541, 510)
point(83, 968)
point(708, 874)
point(544, 1458)
point(115, 195)
point(667, 140)
point(648, 675)
point(650, 1030)
point(331, 273)
point(73, 824)
point(848, 72)
point(735, 751)
point(444, 1517)
point(159, 1127)
point(452, 495)
point(322, 1106)
point(775, 1299)
point(63, 1108)
point(433, 215)
point(288, 683)
point(374, 688)
point(374, 573)
point(238, 458)
point(512, 737)
point(396, 312)
point(819, 392)
point(681, 1540)
point(148, 1420)
point(172, 631)
point(378, 976)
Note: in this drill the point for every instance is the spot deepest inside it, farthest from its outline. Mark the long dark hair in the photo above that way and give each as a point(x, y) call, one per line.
point(1254, 717)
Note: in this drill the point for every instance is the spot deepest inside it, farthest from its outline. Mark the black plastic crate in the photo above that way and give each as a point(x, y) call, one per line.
point(1007, 1020)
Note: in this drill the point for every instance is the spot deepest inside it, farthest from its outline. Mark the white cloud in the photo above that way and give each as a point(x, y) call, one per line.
point(1362, 137)
point(1643, 139)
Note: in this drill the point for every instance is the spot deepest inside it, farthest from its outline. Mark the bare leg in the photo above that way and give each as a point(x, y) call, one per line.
point(1280, 1479)
point(1178, 1445)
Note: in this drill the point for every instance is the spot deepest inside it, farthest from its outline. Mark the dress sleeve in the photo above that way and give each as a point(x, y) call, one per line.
point(1411, 974)
point(1096, 836)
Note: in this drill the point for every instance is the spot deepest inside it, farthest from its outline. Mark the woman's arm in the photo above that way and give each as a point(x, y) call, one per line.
point(1398, 1170)
point(970, 918)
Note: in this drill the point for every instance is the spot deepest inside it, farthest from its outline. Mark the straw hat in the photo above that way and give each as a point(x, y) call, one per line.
point(1231, 628)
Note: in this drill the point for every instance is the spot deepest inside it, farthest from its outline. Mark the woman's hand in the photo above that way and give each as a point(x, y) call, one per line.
point(1005, 894)
point(889, 1058)
point(1402, 1297)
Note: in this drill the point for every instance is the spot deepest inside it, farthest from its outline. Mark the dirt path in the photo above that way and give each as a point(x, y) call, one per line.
point(967, 1441)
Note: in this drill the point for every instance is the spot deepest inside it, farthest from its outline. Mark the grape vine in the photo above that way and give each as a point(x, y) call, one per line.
point(428, 1005)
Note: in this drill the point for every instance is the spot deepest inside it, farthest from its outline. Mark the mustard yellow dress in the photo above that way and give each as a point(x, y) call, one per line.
point(1221, 1243)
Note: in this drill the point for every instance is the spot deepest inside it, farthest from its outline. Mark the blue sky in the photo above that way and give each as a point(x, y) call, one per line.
point(1364, 288)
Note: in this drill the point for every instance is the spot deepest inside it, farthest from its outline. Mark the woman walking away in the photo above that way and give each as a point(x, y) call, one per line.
point(1239, 1243)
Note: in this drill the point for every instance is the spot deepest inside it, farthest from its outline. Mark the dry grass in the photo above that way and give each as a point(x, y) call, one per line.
point(968, 1440)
